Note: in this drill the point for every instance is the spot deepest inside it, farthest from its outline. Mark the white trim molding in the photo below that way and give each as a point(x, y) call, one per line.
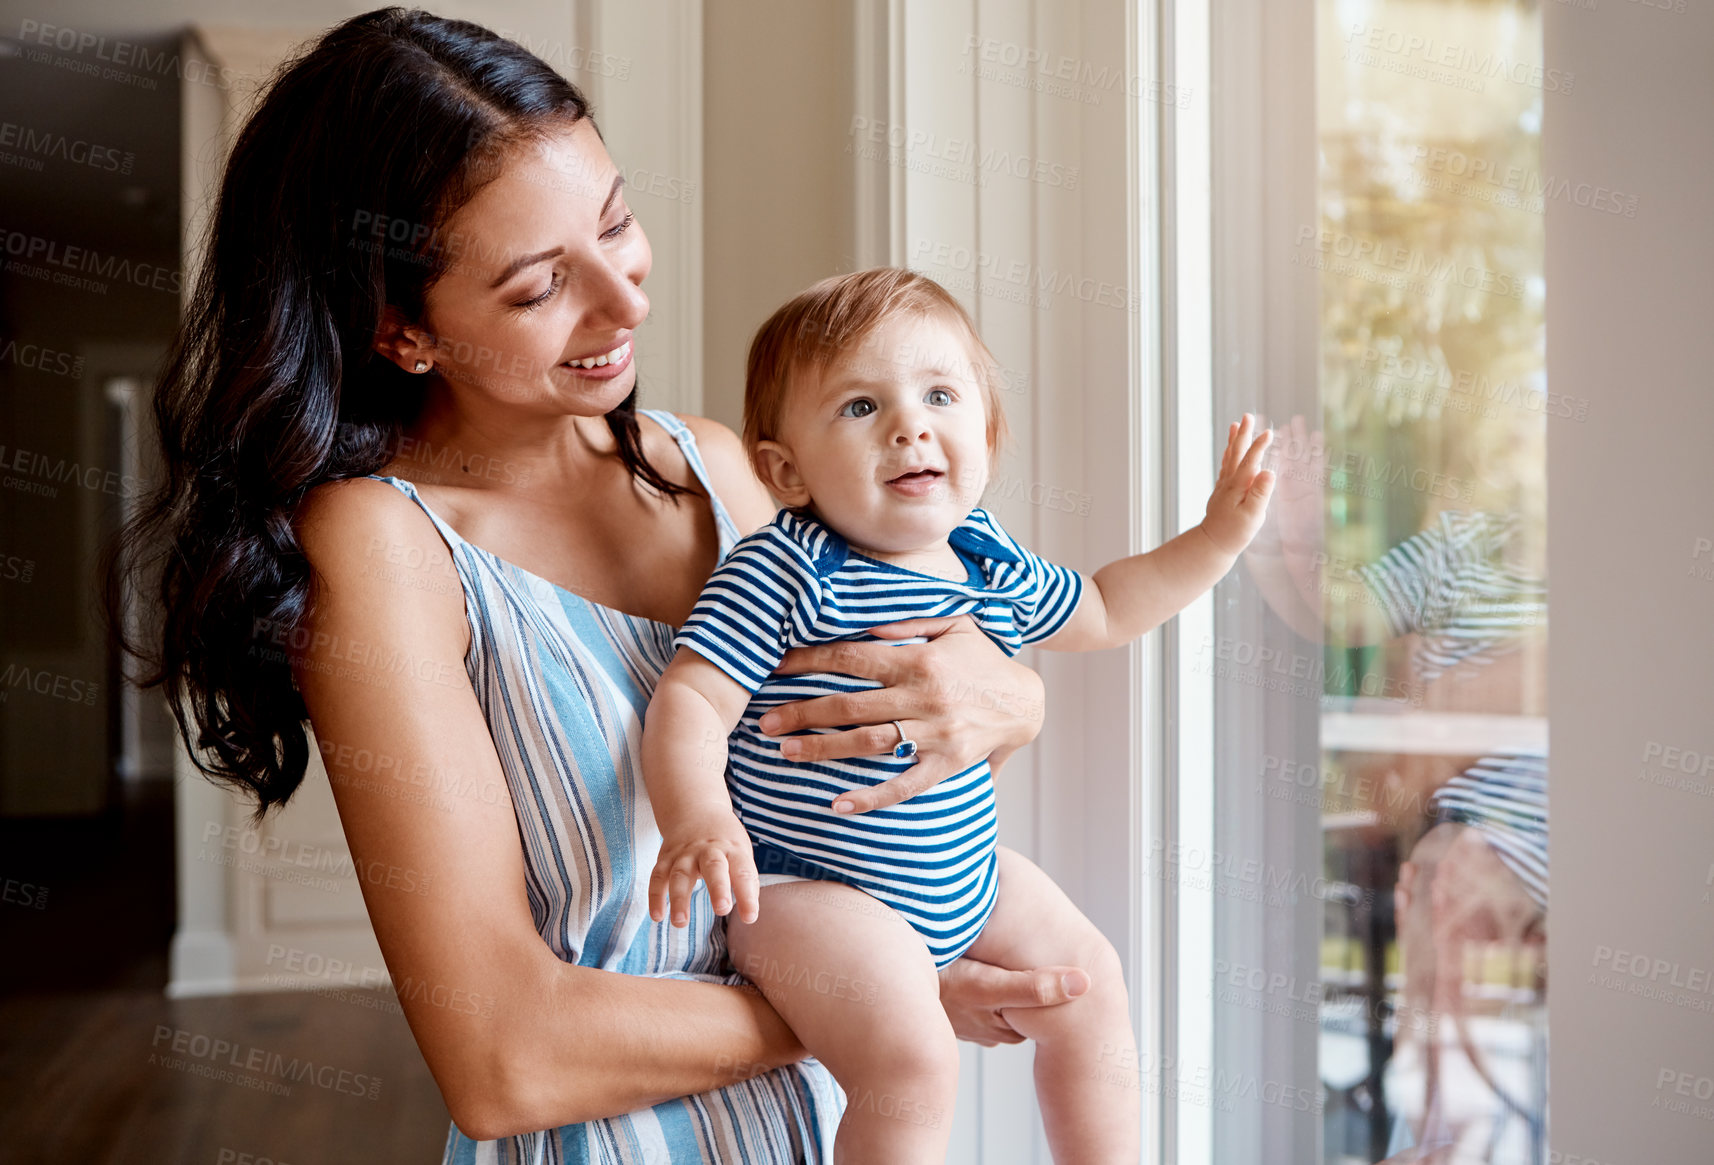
point(1009, 149)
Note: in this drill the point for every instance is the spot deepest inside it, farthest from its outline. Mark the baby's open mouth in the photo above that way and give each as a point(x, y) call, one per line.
point(918, 483)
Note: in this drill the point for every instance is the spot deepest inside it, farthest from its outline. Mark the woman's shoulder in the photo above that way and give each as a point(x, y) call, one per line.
point(338, 511)
point(361, 532)
point(715, 441)
point(728, 467)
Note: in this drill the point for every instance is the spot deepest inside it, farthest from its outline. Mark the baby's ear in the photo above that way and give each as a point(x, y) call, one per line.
point(776, 469)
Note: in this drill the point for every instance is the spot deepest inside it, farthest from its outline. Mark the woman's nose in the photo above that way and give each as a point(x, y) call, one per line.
point(611, 296)
point(619, 301)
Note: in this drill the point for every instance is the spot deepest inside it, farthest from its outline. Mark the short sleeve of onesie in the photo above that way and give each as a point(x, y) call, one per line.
point(741, 619)
point(1059, 589)
point(1049, 592)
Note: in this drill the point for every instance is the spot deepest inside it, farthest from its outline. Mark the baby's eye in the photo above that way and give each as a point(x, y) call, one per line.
point(938, 396)
point(863, 403)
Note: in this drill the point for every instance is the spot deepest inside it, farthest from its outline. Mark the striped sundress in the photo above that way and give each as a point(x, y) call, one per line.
point(564, 683)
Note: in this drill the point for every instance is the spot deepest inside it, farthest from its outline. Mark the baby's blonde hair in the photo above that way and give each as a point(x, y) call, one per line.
point(829, 320)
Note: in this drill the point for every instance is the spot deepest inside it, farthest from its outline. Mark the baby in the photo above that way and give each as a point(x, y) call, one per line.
point(845, 924)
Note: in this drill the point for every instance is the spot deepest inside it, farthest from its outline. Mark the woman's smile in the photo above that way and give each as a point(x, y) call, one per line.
point(604, 366)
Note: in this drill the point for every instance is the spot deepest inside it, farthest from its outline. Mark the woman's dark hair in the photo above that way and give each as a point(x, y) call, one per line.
point(272, 385)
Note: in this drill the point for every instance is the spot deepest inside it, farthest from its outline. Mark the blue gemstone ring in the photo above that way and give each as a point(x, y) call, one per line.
point(906, 748)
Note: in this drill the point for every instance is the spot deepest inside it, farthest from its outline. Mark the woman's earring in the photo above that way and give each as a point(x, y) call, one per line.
point(422, 366)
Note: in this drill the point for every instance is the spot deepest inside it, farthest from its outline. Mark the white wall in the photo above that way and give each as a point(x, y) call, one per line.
point(777, 105)
point(1014, 195)
point(1632, 646)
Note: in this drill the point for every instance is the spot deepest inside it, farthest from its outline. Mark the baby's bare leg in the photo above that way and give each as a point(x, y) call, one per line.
point(858, 986)
point(1085, 1055)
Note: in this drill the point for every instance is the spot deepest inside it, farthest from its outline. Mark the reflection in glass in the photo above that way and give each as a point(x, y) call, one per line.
point(1407, 540)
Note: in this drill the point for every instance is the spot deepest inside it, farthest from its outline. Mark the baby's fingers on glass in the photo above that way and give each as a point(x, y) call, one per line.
point(1234, 449)
point(1242, 440)
point(1253, 455)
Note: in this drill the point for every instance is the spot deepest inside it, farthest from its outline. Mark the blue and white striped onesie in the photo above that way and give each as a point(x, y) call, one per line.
point(797, 582)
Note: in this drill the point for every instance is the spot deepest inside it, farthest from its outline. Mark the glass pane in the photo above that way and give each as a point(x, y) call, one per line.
point(1433, 1033)
point(1399, 776)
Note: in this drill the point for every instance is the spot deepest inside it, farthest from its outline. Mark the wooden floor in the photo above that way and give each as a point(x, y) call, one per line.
point(91, 1077)
point(88, 1073)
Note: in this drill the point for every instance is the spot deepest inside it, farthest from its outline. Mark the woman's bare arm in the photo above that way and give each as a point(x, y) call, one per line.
point(516, 1039)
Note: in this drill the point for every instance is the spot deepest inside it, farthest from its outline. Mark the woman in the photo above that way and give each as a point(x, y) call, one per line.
point(404, 400)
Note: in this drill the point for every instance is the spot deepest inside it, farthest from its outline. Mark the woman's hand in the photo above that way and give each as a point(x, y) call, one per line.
point(974, 993)
point(958, 696)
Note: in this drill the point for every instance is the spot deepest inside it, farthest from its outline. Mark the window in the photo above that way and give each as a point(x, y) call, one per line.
point(1361, 787)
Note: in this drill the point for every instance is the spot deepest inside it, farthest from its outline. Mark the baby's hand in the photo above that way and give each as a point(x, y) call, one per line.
point(1240, 498)
point(715, 849)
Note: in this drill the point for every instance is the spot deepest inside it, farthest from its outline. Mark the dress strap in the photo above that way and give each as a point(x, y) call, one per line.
point(410, 491)
point(687, 445)
point(460, 563)
point(728, 529)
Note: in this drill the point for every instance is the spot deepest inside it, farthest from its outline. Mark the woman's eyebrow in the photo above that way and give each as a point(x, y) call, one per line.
point(612, 193)
point(522, 261)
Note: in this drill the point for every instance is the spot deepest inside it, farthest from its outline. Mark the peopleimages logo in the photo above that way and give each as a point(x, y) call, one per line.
point(115, 59)
point(37, 358)
point(1531, 188)
point(68, 259)
point(1197, 1084)
point(234, 1063)
point(48, 683)
point(1407, 374)
point(964, 153)
point(49, 145)
point(1380, 261)
point(1057, 75)
point(1029, 282)
point(1475, 63)
point(1642, 966)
